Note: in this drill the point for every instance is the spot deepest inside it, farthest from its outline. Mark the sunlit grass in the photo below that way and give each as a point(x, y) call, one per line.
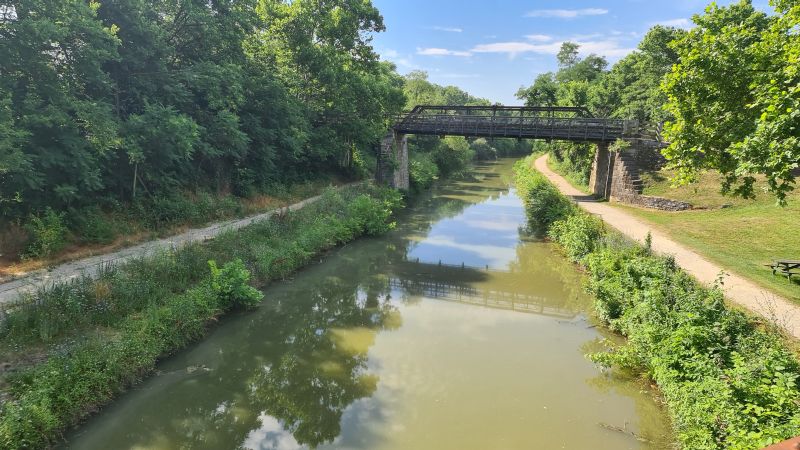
point(741, 237)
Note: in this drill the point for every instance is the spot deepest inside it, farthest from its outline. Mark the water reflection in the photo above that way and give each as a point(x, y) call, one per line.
point(413, 340)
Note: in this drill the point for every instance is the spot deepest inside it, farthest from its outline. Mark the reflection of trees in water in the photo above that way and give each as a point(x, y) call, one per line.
point(302, 360)
point(323, 367)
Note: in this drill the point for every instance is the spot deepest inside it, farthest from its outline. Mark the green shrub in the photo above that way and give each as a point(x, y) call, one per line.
point(230, 285)
point(92, 226)
point(578, 234)
point(423, 172)
point(48, 234)
point(544, 204)
point(452, 155)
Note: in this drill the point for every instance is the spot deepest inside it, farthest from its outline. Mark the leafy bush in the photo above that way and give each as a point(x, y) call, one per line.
point(483, 150)
point(230, 285)
point(48, 234)
point(452, 155)
point(578, 234)
point(423, 171)
point(92, 226)
point(544, 204)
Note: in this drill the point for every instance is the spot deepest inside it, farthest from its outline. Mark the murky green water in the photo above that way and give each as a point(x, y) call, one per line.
point(453, 332)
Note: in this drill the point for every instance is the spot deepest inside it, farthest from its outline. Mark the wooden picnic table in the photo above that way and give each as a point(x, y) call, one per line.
point(787, 267)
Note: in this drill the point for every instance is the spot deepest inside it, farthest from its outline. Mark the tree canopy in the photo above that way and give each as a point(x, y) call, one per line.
point(125, 98)
point(728, 91)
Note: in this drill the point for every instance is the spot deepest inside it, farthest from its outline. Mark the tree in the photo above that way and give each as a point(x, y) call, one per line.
point(711, 95)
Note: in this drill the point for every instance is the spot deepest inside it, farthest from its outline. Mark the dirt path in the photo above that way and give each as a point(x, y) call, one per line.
point(737, 289)
point(12, 290)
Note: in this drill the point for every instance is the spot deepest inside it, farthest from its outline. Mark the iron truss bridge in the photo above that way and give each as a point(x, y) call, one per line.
point(521, 122)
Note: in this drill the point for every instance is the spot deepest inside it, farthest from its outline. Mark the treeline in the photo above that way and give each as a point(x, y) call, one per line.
point(728, 90)
point(432, 156)
point(112, 101)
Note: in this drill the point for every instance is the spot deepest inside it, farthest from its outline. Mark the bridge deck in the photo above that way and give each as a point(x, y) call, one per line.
point(555, 123)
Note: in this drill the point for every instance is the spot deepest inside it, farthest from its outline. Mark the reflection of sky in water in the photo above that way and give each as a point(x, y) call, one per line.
point(271, 436)
point(483, 234)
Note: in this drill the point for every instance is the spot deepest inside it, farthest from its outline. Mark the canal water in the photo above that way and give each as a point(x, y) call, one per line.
point(455, 331)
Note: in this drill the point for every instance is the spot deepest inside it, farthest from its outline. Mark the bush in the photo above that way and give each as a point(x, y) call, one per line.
point(48, 234)
point(483, 150)
point(578, 234)
point(92, 226)
point(452, 155)
point(544, 204)
point(423, 172)
point(230, 285)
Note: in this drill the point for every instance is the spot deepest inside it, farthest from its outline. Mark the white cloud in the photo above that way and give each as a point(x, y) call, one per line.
point(458, 75)
point(539, 38)
point(566, 13)
point(677, 23)
point(441, 52)
point(514, 48)
point(608, 47)
point(448, 29)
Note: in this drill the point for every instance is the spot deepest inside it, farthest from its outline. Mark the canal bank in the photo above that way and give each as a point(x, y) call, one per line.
point(456, 330)
point(728, 379)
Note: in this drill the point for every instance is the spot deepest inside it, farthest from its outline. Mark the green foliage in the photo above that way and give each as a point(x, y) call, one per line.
point(544, 204)
point(93, 226)
point(578, 234)
point(48, 234)
point(135, 100)
point(423, 171)
point(230, 285)
point(735, 97)
point(729, 382)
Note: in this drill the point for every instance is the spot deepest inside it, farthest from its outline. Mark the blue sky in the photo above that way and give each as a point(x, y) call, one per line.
point(491, 48)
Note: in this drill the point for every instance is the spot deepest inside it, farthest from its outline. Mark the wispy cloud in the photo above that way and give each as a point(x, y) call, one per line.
point(566, 13)
point(448, 29)
point(677, 23)
point(539, 38)
point(394, 56)
point(515, 48)
point(458, 75)
point(433, 51)
point(608, 47)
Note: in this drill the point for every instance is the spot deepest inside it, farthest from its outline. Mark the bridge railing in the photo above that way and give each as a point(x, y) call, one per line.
point(521, 126)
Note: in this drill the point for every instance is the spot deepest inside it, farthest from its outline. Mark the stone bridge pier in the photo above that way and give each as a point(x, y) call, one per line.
point(393, 161)
point(602, 171)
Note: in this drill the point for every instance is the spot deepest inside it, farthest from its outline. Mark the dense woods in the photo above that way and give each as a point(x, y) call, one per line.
point(728, 91)
point(117, 100)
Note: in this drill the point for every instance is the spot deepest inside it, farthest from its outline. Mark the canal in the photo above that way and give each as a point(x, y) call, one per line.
point(455, 331)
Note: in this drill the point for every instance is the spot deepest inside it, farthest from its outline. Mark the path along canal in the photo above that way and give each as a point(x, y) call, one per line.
point(455, 331)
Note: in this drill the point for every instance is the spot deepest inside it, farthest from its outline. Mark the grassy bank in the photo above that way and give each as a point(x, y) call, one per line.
point(92, 338)
point(53, 237)
point(728, 381)
point(742, 236)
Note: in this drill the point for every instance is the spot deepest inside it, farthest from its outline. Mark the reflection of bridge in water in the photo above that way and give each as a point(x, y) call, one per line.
point(506, 290)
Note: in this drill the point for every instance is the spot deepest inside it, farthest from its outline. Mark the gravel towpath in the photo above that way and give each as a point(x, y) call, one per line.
point(12, 290)
point(737, 289)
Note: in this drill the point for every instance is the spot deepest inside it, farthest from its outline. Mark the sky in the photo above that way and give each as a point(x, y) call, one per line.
point(492, 48)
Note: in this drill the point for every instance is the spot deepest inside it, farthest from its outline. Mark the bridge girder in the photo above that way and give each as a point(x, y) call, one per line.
point(521, 122)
